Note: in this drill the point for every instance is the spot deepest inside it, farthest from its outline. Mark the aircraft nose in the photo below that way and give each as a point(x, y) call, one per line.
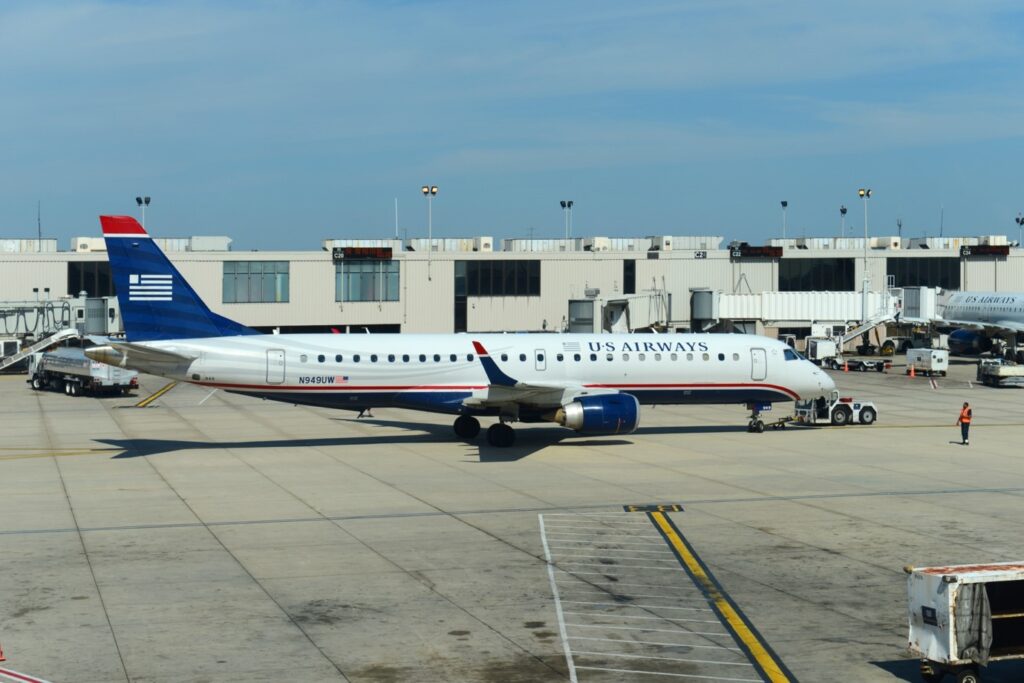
point(825, 383)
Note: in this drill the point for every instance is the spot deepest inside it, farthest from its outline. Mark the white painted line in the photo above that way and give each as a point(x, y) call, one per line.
point(558, 604)
point(573, 556)
point(666, 659)
point(19, 677)
point(577, 573)
point(627, 517)
point(629, 604)
point(601, 528)
point(631, 596)
point(624, 566)
point(662, 673)
point(627, 616)
point(678, 631)
point(654, 642)
point(606, 538)
point(208, 396)
point(612, 550)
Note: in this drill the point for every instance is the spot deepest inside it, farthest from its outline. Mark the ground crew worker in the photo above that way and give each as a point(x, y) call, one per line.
point(965, 423)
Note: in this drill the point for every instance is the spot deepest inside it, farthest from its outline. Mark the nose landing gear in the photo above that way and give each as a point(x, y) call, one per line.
point(756, 424)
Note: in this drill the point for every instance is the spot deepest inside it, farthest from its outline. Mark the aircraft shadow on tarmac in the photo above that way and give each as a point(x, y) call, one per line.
point(528, 441)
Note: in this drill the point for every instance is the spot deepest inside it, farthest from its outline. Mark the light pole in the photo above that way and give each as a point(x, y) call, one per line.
point(1019, 220)
point(784, 205)
point(143, 202)
point(567, 211)
point(865, 194)
point(842, 221)
point(429, 191)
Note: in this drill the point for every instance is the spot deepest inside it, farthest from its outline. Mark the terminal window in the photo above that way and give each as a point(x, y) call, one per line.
point(255, 282)
point(629, 277)
point(497, 278)
point(929, 271)
point(91, 277)
point(816, 275)
point(366, 280)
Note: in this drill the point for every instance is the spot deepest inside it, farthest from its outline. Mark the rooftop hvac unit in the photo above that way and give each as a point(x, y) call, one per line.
point(661, 243)
point(483, 244)
point(88, 244)
point(597, 244)
point(885, 242)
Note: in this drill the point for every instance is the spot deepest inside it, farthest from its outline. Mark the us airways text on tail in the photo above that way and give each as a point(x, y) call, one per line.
point(594, 384)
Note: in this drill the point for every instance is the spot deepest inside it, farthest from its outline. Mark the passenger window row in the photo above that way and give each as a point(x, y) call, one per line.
point(422, 358)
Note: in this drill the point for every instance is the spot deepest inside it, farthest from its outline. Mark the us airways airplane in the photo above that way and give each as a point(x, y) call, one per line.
point(981, 317)
point(593, 384)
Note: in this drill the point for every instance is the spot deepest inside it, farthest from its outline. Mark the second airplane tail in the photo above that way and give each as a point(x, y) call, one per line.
point(156, 301)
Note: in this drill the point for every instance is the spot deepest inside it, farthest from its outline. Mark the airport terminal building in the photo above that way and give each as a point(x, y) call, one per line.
point(581, 284)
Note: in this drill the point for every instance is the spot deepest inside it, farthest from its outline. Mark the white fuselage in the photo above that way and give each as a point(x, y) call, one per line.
point(439, 372)
point(985, 308)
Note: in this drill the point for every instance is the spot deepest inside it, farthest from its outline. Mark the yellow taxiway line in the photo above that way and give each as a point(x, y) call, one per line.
point(149, 399)
point(764, 659)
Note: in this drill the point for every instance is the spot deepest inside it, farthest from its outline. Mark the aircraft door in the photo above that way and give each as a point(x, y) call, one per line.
point(540, 358)
point(275, 366)
point(758, 364)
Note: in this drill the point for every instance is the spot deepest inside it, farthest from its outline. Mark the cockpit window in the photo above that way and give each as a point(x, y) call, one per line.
point(790, 354)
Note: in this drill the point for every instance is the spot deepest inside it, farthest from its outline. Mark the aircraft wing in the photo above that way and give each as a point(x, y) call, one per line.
point(503, 390)
point(1009, 325)
point(997, 326)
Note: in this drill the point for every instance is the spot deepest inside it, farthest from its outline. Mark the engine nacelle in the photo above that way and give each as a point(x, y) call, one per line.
point(600, 415)
point(968, 343)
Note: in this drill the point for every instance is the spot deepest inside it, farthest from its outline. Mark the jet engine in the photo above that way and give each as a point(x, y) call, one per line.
point(601, 414)
point(968, 343)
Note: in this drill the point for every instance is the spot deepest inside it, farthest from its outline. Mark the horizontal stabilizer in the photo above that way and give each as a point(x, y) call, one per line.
point(136, 356)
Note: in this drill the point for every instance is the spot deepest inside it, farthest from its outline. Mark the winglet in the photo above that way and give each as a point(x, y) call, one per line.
point(494, 373)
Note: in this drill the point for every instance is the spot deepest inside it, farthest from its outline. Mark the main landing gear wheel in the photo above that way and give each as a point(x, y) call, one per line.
point(755, 426)
point(501, 435)
point(466, 427)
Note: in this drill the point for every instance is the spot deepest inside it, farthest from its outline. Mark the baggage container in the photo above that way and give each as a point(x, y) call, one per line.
point(928, 361)
point(965, 616)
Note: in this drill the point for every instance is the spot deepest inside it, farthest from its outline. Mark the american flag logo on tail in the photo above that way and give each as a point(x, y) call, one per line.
point(150, 287)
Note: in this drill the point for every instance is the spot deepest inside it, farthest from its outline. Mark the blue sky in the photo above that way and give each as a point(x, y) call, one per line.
point(283, 123)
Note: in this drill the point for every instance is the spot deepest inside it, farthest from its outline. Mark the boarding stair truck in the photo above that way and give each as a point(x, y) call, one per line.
point(928, 362)
point(68, 370)
point(998, 372)
point(963, 617)
point(835, 410)
point(23, 352)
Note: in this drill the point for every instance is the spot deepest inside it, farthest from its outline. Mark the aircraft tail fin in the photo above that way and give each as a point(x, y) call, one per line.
point(157, 303)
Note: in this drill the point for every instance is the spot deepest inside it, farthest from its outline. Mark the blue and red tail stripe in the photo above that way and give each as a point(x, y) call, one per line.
point(494, 373)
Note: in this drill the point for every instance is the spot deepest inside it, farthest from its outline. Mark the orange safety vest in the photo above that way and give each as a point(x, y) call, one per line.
point(965, 416)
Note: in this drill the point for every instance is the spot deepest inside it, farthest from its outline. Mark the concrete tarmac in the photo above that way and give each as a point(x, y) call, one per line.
point(223, 538)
